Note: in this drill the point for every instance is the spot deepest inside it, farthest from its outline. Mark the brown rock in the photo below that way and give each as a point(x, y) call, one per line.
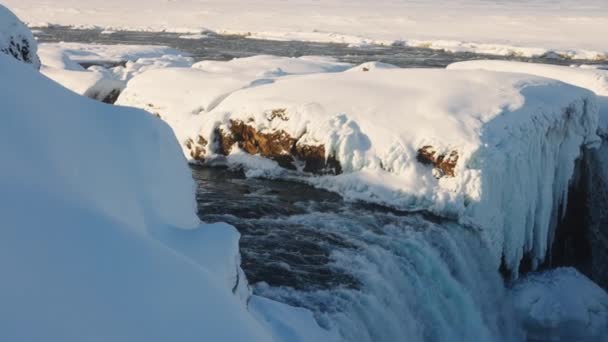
point(445, 164)
point(197, 149)
point(276, 145)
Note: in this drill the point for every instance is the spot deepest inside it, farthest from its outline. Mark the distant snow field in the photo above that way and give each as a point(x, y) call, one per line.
point(562, 28)
point(98, 204)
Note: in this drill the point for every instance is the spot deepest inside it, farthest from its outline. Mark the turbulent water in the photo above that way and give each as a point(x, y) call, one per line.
point(367, 272)
point(372, 273)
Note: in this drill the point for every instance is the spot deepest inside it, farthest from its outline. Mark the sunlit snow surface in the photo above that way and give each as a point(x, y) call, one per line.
point(502, 125)
point(561, 27)
point(99, 237)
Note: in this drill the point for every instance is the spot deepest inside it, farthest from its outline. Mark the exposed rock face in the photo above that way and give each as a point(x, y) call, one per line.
point(197, 148)
point(104, 95)
point(276, 145)
point(16, 39)
point(581, 239)
point(443, 164)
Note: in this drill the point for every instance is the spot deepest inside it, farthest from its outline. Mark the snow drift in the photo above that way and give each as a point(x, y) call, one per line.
point(101, 72)
point(594, 79)
point(16, 40)
point(99, 239)
point(475, 146)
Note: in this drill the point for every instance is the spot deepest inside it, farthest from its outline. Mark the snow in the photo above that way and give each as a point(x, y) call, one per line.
point(100, 236)
point(200, 88)
point(562, 305)
point(563, 28)
point(374, 122)
point(106, 54)
point(16, 39)
point(593, 78)
point(112, 65)
point(99, 230)
point(261, 66)
point(287, 323)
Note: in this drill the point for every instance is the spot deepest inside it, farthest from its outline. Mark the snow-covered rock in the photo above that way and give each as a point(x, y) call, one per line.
point(262, 66)
point(96, 84)
point(103, 54)
point(592, 78)
point(99, 237)
point(589, 222)
point(207, 84)
point(16, 40)
point(108, 67)
point(562, 305)
point(471, 145)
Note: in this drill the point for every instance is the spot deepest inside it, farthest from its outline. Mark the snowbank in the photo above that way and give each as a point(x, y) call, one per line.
point(594, 79)
point(208, 83)
point(470, 145)
point(108, 67)
point(16, 40)
point(562, 305)
point(499, 27)
point(99, 239)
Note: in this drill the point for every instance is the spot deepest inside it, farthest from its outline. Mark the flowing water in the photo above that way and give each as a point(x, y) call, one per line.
point(225, 47)
point(371, 273)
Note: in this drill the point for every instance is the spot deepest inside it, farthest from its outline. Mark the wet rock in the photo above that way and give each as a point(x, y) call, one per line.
point(112, 97)
point(277, 145)
point(444, 164)
point(314, 159)
point(581, 237)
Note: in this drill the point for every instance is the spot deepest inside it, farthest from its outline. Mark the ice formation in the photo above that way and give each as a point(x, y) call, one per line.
point(504, 130)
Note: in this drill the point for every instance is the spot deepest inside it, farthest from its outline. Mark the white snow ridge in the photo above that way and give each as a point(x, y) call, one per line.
point(504, 130)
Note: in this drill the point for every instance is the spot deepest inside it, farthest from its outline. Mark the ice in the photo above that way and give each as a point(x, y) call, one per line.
point(562, 305)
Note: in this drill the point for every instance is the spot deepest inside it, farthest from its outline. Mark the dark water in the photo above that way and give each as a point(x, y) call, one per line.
point(226, 47)
point(275, 251)
point(368, 272)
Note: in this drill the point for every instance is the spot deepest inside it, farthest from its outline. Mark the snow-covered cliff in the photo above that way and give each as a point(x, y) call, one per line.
point(493, 150)
point(16, 40)
point(582, 240)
